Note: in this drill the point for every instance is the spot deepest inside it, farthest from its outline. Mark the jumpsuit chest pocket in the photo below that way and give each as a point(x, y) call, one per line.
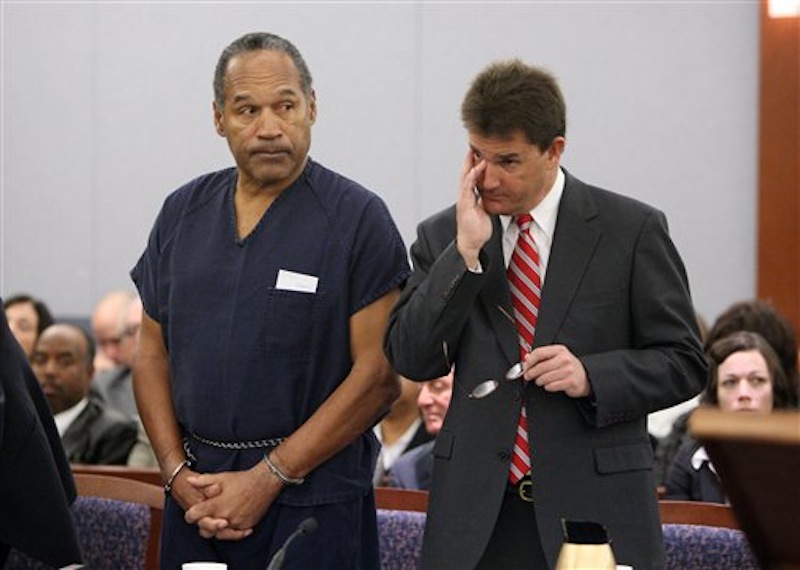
point(288, 323)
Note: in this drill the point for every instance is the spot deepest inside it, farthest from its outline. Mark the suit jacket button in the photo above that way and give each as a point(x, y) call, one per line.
point(504, 455)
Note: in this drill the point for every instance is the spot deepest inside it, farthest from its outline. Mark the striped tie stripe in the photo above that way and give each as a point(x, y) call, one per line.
point(525, 283)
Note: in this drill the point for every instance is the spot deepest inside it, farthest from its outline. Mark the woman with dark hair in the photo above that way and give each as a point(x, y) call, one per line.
point(27, 318)
point(745, 375)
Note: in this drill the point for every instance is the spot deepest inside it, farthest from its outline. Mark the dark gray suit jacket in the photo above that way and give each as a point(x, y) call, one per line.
point(617, 296)
point(413, 469)
point(100, 436)
point(115, 387)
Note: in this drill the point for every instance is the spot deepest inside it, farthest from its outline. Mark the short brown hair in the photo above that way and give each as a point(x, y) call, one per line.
point(510, 96)
point(782, 388)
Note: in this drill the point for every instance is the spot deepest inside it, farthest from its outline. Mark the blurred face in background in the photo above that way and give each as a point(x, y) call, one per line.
point(744, 383)
point(434, 400)
point(130, 333)
point(23, 320)
point(62, 366)
point(116, 328)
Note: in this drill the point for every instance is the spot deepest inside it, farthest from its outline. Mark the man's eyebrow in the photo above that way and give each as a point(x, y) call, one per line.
point(241, 97)
point(288, 92)
point(282, 92)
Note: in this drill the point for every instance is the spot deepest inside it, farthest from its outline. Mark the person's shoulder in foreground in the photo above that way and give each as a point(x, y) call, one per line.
point(35, 470)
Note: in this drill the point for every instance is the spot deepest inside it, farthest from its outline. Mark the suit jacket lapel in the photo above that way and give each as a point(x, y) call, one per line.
point(76, 436)
point(574, 243)
point(496, 296)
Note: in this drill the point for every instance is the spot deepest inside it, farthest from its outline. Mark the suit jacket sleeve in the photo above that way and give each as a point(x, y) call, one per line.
point(435, 303)
point(663, 364)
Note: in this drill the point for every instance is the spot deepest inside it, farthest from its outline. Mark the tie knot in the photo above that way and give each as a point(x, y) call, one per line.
point(524, 222)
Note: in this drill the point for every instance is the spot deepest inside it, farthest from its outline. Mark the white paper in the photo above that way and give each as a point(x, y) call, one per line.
point(293, 281)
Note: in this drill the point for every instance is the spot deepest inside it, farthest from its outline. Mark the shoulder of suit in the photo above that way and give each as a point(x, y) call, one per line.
point(416, 453)
point(447, 216)
point(109, 416)
point(578, 192)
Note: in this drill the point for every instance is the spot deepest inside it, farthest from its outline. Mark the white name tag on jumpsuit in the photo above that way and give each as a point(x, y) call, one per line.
point(293, 281)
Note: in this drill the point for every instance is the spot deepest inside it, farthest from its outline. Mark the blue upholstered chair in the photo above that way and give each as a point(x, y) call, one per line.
point(400, 536)
point(699, 547)
point(118, 523)
point(697, 536)
point(704, 536)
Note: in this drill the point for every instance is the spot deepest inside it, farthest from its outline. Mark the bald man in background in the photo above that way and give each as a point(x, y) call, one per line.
point(114, 348)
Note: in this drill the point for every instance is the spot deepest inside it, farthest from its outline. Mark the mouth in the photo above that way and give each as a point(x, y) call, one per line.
point(269, 153)
point(49, 391)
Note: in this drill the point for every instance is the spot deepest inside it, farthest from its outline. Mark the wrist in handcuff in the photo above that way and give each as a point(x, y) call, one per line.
point(276, 470)
point(174, 475)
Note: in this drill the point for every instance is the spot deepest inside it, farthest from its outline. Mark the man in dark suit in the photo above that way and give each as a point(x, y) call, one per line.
point(90, 431)
point(615, 339)
point(36, 486)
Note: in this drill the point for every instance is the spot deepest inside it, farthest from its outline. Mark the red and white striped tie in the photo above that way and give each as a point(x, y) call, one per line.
point(525, 282)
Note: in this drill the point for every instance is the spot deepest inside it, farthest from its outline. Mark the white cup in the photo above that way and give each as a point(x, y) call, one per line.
point(204, 566)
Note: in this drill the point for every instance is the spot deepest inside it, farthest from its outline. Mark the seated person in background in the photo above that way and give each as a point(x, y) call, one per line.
point(115, 385)
point(413, 469)
point(761, 317)
point(116, 321)
point(108, 330)
point(399, 431)
point(755, 316)
point(745, 375)
point(90, 431)
point(27, 318)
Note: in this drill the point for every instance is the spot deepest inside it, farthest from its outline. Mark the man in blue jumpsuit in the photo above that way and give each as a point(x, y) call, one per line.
point(266, 291)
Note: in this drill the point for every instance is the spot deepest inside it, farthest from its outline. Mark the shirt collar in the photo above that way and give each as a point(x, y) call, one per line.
point(64, 419)
point(701, 456)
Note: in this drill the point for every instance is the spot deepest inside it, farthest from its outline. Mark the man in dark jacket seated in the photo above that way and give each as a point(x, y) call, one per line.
point(90, 431)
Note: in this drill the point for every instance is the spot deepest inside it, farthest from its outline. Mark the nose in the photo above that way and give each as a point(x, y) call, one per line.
point(489, 178)
point(49, 369)
point(424, 399)
point(268, 125)
point(744, 391)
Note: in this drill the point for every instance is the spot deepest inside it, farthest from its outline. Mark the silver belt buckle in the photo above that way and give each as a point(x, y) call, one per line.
point(525, 490)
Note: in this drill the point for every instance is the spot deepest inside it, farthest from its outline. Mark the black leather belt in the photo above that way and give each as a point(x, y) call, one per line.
point(523, 489)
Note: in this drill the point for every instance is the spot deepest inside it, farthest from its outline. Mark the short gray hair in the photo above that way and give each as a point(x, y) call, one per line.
point(253, 42)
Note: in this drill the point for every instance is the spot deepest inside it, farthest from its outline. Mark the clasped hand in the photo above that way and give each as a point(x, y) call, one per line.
point(223, 505)
point(556, 369)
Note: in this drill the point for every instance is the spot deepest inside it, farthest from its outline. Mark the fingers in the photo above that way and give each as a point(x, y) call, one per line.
point(555, 369)
point(202, 481)
point(233, 534)
point(209, 527)
point(201, 511)
point(470, 173)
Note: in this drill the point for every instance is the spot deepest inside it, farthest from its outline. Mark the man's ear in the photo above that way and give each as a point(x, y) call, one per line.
point(556, 150)
point(312, 106)
point(219, 126)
